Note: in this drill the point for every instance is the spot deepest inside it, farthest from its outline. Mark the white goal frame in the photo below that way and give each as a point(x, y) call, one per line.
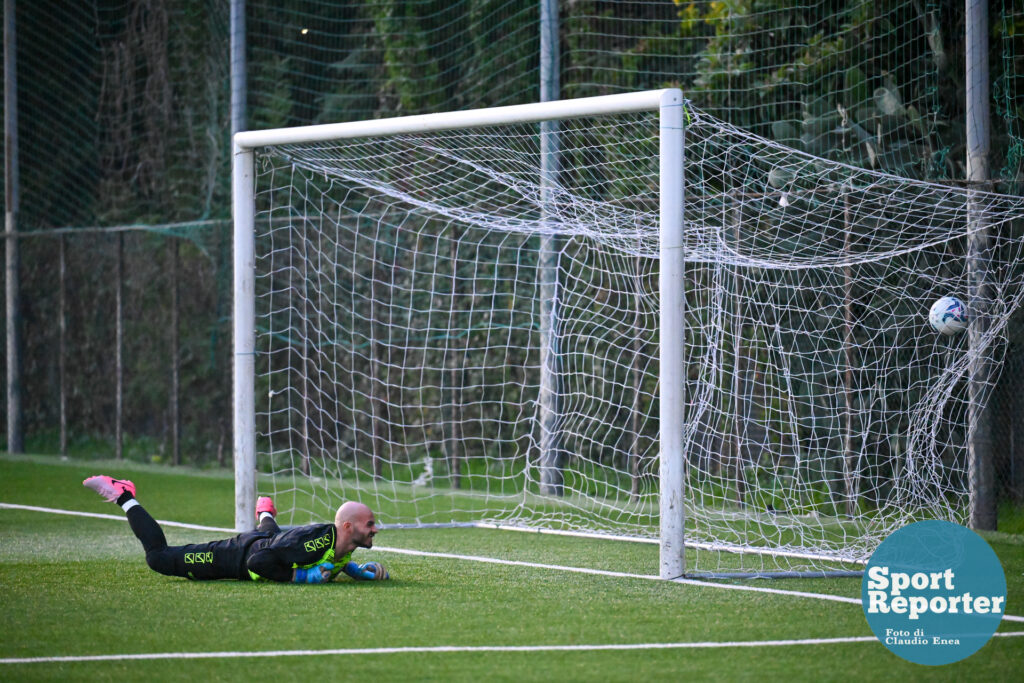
point(669, 103)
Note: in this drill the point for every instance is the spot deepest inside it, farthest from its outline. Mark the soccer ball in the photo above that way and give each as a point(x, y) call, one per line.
point(948, 316)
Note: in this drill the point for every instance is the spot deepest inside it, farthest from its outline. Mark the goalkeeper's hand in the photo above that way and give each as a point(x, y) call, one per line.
point(371, 571)
point(318, 573)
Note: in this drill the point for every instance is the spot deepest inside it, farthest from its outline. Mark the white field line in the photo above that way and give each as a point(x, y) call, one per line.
point(443, 649)
point(514, 563)
point(654, 541)
point(97, 515)
point(605, 572)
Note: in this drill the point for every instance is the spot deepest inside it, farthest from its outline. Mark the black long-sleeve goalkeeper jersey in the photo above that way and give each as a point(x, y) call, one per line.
point(275, 557)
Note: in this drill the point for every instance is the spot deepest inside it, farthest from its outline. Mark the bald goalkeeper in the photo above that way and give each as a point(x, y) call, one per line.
point(315, 553)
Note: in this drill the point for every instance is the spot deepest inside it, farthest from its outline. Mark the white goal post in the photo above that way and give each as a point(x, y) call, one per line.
point(668, 102)
point(510, 317)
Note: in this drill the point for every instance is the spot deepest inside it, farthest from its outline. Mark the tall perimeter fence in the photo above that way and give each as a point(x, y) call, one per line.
point(120, 115)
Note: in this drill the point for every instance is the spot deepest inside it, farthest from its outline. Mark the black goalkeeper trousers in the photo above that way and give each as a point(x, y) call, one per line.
point(223, 559)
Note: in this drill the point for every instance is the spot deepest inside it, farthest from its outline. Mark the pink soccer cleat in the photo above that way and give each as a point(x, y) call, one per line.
point(265, 504)
point(108, 487)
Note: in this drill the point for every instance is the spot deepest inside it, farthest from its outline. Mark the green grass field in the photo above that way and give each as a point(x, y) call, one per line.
point(77, 586)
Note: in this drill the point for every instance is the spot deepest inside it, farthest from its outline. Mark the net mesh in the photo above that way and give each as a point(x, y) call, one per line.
point(402, 282)
point(125, 120)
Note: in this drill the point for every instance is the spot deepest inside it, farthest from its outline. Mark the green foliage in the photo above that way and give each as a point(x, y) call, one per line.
point(272, 106)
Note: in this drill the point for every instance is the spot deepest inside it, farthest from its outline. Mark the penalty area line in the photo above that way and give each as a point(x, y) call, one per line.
point(440, 649)
point(514, 563)
point(455, 649)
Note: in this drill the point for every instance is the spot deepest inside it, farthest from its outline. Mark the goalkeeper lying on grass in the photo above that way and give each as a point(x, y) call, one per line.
point(308, 554)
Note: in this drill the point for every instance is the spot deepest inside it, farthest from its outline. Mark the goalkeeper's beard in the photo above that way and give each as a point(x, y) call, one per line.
point(364, 541)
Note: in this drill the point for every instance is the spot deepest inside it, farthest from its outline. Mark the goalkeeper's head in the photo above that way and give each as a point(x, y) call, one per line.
point(356, 526)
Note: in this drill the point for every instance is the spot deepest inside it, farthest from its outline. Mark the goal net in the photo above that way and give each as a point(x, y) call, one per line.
point(461, 326)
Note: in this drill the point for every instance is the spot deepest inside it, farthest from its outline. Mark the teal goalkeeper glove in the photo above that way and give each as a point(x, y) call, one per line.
point(371, 571)
point(314, 574)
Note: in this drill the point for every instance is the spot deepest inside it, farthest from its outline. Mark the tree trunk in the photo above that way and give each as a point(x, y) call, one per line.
point(175, 420)
point(62, 342)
